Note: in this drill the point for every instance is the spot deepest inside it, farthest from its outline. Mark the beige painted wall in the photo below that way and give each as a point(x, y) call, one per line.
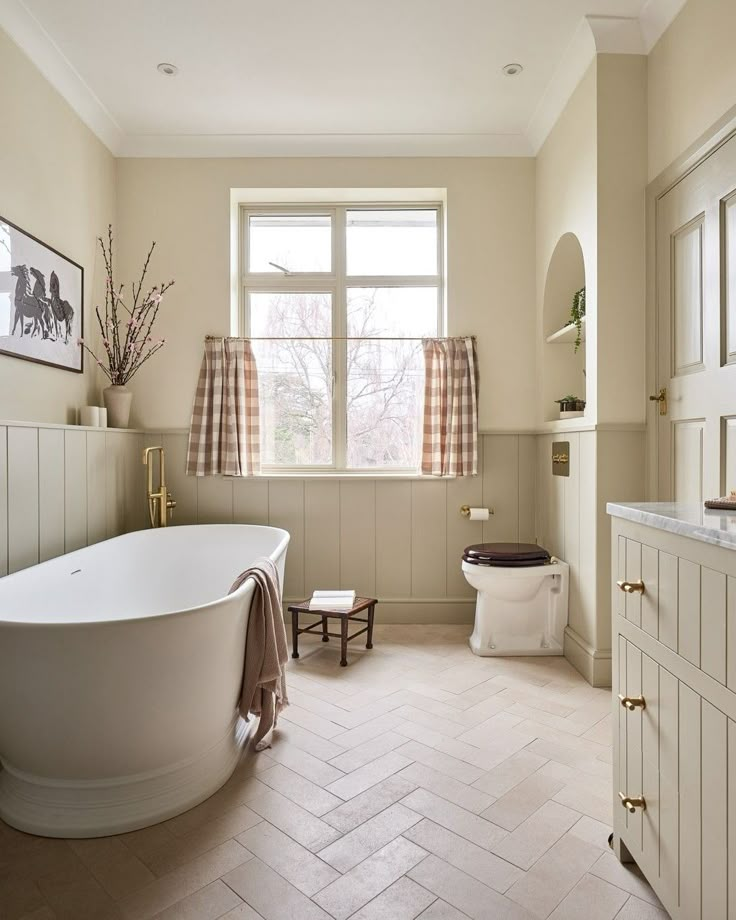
point(57, 181)
point(185, 205)
point(692, 78)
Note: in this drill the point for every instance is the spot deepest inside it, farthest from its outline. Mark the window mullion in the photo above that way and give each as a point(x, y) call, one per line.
point(339, 346)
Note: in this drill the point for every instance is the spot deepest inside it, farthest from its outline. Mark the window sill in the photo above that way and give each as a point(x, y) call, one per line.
point(346, 476)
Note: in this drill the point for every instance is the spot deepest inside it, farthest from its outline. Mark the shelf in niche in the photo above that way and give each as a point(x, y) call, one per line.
point(566, 335)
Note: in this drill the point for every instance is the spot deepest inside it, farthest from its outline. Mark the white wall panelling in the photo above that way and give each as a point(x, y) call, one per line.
point(62, 488)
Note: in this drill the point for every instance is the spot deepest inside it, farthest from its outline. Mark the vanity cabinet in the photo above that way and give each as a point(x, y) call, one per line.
point(674, 699)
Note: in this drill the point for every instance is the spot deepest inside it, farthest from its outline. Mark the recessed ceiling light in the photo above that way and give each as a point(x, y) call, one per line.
point(511, 70)
point(170, 70)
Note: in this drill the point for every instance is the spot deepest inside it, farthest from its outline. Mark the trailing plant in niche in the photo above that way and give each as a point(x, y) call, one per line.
point(576, 315)
point(126, 327)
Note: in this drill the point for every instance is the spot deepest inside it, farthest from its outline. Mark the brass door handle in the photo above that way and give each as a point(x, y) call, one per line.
point(632, 702)
point(661, 398)
point(631, 803)
point(631, 587)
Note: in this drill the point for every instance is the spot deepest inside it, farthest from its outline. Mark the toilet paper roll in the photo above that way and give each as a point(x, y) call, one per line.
point(89, 416)
point(103, 417)
point(479, 514)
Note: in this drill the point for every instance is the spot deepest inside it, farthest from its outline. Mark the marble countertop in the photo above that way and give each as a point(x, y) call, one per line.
point(686, 520)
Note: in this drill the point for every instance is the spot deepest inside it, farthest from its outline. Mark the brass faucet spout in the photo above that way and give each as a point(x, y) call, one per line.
point(161, 503)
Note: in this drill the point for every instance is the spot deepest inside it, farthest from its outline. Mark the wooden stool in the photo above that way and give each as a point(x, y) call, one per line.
point(361, 604)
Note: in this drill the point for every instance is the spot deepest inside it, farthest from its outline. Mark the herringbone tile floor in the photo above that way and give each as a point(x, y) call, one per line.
point(420, 781)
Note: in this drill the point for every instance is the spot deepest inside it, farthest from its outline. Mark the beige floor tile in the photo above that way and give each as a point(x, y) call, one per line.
point(591, 899)
point(369, 803)
point(304, 763)
point(636, 909)
point(311, 722)
point(18, 896)
point(187, 847)
point(464, 855)
point(300, 790)
point(114, 866)
point(421, 733)
point(497, 749)
point(404, 900)
point(375, 833)
point(509, 773)
point(184, 881)
point(308, 741)
point(443, 725)
point(554, 875)
point(536, 835)
point(355, 736)
point(290, 859)
point(467, 797)
point(244, 912)
point(148, 840)
point(270, 895)
point(627, 876)
point(367, 751)
point(592, 831)
point(40, 913)
point(77, 895)
point(464, 823)
point(574, 795)
point(209, 903)
point(467, 894)
point(363, 883)
point(441, 910)
point(299, 824)
point(522, 801)
point(357, 781)
point(443, 763)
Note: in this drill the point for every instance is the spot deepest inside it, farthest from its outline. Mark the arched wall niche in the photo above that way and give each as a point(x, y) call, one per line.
point(563, 370)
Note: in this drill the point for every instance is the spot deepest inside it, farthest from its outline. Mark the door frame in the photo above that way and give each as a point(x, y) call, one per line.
point(706, 145)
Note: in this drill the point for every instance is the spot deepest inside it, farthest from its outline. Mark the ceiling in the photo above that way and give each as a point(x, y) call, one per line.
point(322, 76)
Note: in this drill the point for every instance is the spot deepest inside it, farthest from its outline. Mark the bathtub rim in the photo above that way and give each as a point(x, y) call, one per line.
point(237, 595)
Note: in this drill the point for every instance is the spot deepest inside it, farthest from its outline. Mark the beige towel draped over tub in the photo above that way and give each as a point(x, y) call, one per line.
point(264, 681)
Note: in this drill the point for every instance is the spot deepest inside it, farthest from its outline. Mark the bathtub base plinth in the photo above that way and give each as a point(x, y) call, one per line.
point(51, 807)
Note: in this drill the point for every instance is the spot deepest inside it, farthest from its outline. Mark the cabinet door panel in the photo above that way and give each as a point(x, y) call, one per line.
point(669, 780)
point(668, 600)
point(633, 573)
point(650, 765)
point(688, 611)
point(715, 816)
point(620, 602)
point(731, 819)
point(650, 598)
point(690, 805)
point(713, 613)
point(633, 720)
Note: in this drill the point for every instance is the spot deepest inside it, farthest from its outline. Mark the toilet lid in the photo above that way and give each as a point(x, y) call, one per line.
point(508, 555)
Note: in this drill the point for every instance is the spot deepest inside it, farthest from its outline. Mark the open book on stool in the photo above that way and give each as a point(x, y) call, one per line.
point(332, 599)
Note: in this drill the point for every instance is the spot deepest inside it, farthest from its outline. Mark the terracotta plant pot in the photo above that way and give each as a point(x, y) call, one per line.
point(117, 401)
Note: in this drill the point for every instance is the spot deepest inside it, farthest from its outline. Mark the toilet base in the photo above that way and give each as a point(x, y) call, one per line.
point(512, 646)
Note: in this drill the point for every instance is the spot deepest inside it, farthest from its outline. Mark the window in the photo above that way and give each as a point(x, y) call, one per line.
point(336, 300)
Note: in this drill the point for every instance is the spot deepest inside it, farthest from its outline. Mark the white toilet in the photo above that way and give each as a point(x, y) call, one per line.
point(522, 599)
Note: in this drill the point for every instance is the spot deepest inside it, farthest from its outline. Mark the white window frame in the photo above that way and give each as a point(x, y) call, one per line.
point(335, 282)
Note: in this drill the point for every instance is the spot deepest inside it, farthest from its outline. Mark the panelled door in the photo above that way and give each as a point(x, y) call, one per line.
point(696, 331)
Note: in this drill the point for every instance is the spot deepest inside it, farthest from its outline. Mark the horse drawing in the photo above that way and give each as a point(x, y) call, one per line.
point(26, 305)
point(62, 309)
point(39, 292)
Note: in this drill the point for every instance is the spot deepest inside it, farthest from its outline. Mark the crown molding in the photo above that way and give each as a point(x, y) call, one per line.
point(326, 145)
point(655, 19)
point(594, 35)
point(30, 36)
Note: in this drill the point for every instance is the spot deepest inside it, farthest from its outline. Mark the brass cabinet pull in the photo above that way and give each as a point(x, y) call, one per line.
point(632, 702)
point(631, 587)
point(632, 803)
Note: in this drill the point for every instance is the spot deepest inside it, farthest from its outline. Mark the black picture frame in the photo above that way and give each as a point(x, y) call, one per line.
point(41, 301)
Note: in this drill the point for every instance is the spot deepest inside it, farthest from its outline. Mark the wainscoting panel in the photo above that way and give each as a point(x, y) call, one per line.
point(62, 488)
point(397, 539)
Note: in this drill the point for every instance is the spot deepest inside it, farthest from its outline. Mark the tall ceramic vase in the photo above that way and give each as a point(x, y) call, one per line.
point(117, 401)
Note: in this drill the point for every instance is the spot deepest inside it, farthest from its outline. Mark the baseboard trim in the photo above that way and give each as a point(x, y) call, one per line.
point(594, 664)
point(399, 610)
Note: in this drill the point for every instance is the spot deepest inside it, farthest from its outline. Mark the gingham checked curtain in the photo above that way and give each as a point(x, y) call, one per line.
point(450, 442)
point(225, 429)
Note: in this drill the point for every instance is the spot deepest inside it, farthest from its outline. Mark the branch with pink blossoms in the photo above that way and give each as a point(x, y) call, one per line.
point(126, 336)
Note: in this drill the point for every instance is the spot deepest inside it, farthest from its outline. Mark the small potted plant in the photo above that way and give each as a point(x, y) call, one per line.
point(571, 406)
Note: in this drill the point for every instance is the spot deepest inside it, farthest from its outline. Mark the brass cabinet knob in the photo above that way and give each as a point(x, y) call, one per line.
point(632, 702)
point(632, 803)
point(631, 587)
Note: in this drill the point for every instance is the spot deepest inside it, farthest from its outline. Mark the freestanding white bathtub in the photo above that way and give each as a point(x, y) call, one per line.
point(120, 674)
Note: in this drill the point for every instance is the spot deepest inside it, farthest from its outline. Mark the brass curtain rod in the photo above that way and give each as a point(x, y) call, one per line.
point(337, 338)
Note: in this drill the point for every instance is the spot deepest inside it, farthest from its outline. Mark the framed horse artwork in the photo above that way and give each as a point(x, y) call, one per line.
point(41, 301)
